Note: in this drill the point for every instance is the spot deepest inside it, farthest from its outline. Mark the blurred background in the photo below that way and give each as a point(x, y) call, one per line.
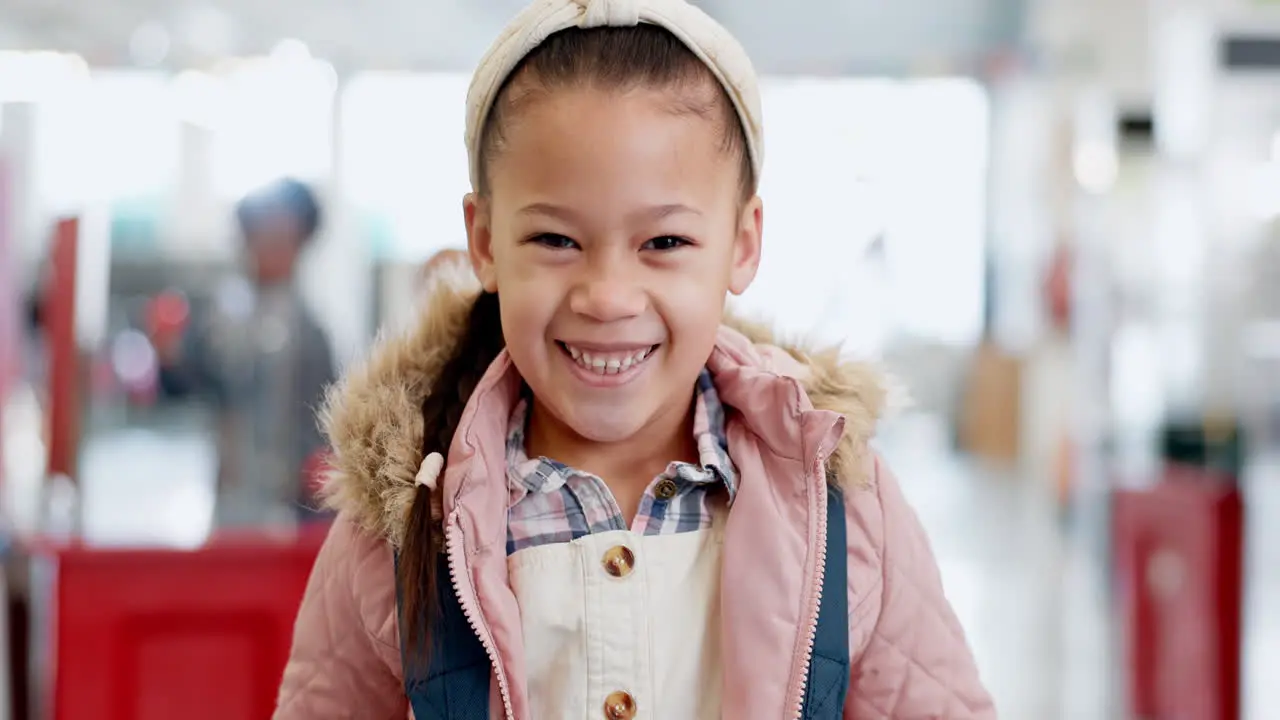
point(1055, 221)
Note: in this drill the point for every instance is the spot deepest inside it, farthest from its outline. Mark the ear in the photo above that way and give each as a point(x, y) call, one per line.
point(475, 211)
point(747, 246)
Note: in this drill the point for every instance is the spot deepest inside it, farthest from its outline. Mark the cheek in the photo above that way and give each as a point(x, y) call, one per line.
point(527, 309)
point(698, 286)
point(513, 270)
point(693, 310)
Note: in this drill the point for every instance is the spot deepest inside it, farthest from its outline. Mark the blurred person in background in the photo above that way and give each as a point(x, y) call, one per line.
point(262, 359)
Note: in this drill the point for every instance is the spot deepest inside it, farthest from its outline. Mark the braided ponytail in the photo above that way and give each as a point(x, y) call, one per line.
point(441, 413)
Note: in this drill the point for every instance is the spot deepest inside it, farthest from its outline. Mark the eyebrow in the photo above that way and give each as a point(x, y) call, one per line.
point(656, 212)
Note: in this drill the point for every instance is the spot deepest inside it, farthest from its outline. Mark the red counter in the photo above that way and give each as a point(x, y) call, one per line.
point(163, 634)
point(1179, 551)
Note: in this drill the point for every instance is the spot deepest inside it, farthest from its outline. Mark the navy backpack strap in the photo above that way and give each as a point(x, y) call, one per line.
point(829, 671)
point(455, 683)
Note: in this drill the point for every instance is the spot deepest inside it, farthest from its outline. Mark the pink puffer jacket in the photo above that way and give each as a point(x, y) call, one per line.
point(797, 415)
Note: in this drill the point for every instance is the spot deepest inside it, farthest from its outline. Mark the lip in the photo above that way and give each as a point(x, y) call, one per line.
point(608, 347)
point(597, 380)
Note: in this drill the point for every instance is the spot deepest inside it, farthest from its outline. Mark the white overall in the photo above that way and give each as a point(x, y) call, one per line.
point(623, 620)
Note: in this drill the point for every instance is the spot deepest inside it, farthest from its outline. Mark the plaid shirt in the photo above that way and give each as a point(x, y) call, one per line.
point(553, 503)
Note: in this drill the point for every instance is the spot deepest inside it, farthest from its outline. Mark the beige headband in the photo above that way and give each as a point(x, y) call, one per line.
point(704, 36)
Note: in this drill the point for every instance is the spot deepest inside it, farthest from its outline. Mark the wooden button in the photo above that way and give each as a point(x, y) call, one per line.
point(666, 489)
point(619, 706)
point(619, 561)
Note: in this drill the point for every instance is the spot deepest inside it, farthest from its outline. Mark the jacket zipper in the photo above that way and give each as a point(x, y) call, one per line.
point(453, 548)
point(815, 595)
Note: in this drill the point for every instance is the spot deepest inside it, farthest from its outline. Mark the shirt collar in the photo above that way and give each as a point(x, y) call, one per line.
point(539, 475)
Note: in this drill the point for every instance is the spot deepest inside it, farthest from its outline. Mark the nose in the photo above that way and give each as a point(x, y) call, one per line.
point(607, 292)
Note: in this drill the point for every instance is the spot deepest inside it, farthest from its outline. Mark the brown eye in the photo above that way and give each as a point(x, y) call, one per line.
point(666, 242)
point(554, 241)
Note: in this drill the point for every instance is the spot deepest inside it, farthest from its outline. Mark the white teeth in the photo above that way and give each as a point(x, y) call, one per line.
point(608, 363)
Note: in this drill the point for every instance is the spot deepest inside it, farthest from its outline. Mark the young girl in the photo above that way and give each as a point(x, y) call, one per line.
point(579, 490)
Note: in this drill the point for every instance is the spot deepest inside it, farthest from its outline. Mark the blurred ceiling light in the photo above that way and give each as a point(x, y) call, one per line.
point(207, 30)
point(291, 50)
point(149, 45)
point(294, 57)
point(1275, 148)
point(1095, 148)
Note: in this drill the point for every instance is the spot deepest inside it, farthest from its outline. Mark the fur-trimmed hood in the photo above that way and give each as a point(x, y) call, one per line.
point(374, 423)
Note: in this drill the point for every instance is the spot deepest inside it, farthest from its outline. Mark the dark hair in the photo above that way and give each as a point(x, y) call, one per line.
point(613, 58)
point(285, 195)
point(617, 58)
point(441, 413)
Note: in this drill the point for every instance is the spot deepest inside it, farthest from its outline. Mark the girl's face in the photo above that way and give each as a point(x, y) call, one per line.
point(613, 229)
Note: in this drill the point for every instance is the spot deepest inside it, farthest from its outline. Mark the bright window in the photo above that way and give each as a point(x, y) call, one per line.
point(113, 140)
point(404, 159)
point(275, 119)
point(849, 161)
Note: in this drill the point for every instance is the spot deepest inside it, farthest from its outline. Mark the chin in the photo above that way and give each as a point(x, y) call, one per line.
point(607, 425)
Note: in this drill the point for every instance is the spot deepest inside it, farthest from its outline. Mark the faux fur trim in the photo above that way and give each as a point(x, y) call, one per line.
point(374, 423)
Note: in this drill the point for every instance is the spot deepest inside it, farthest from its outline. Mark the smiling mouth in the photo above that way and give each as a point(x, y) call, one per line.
point(608, 363)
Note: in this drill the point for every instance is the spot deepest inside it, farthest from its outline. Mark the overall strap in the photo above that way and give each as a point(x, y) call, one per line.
point(829, 670)
point(455, 683)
